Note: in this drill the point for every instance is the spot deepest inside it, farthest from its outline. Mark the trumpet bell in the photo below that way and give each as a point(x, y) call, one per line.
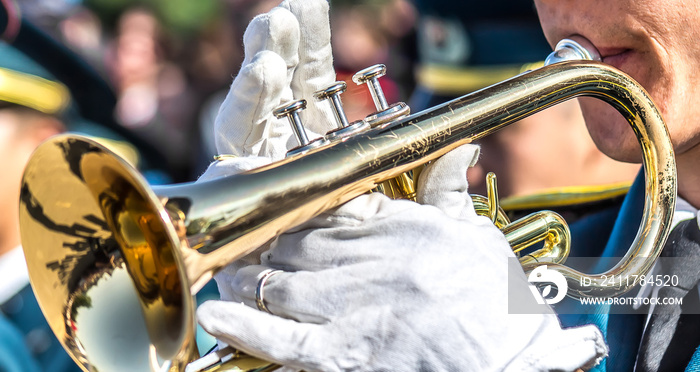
point(110, 266)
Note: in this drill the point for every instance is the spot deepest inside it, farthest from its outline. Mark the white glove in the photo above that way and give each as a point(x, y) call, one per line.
point(393, 285)
point(287, 56)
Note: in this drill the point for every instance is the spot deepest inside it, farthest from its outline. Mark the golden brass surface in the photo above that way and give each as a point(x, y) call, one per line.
point(492, 196)
point(114, 263)
point(545, 226)
point(103, 260)
point(402, 186)
point(483, 207)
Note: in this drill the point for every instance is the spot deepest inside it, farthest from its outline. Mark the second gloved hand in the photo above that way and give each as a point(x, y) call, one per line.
point(380, 284)
point(394, 285)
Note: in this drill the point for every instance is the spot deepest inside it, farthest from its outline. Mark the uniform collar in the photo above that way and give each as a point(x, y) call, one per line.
point(13, 273)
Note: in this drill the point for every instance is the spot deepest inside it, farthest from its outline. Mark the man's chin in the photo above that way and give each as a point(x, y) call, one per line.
point(611, 132)
point(625, 154)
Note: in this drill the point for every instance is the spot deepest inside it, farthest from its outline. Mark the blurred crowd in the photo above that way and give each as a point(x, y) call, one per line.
point(170, 76)
point(170, 65)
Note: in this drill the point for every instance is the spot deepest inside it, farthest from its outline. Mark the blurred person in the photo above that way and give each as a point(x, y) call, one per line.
point(247, 9)
point(219, 56)
point(45, 14)
point(45, 90)
point(14, 356)
point(469, 45)
point(363, 36)
point(154, 101)
point(30, 110)
point(82, 31)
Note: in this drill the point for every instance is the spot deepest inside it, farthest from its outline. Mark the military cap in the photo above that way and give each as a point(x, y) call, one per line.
point(466, 45)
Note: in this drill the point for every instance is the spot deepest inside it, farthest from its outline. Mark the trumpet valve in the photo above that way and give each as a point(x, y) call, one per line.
point(385, 113)
point(370, 76)
point(291, 111)
point(332, 93)
point(345, 129)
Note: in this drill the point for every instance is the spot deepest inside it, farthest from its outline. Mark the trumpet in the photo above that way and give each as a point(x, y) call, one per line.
point(114, 263)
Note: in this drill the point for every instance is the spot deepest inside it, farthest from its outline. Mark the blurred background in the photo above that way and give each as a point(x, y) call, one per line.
point(170, 64)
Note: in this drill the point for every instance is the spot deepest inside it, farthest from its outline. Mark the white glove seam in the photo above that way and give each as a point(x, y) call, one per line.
point(266, 118)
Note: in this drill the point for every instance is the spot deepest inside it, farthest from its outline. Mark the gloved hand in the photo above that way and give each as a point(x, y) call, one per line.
point(380, 284)
point(287, 56)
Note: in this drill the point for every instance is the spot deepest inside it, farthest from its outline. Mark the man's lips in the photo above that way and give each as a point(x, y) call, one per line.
point(611, 54)
point(615, 57)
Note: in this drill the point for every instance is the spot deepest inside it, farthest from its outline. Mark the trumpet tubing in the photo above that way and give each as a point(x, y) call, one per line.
point(92, 228)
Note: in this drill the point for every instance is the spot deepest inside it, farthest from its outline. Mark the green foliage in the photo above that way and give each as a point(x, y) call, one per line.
point(178, 16)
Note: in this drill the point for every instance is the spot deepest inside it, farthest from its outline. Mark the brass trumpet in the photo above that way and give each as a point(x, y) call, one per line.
point(110, 257)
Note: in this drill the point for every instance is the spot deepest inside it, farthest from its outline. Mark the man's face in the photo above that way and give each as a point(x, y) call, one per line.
point(656, 43)
point(20, 134)
point(14, 153)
